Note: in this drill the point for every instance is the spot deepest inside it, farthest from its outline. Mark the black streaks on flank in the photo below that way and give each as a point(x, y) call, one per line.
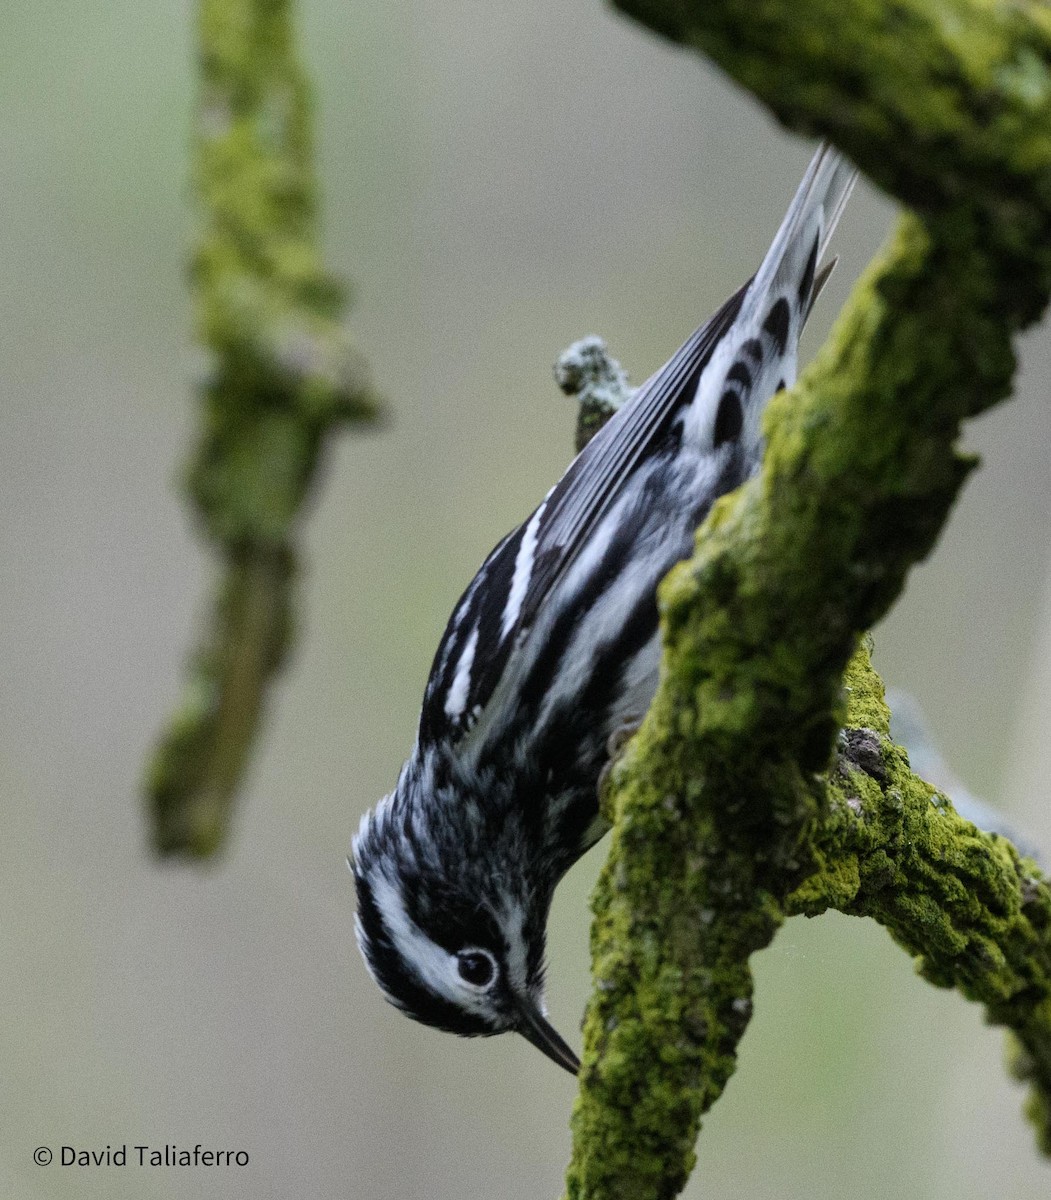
point(739, 373)
point(728, 420)
point(776, 324)
point(611, 570)
point(736, 468)
point(807, 282)
point(575, 747)
point(754, 349)
point(671, 443)
point(780, 386)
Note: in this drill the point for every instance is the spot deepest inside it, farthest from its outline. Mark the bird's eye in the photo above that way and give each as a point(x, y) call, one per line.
point(476, 967)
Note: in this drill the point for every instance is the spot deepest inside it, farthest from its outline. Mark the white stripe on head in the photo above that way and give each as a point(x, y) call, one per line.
point(432, 965)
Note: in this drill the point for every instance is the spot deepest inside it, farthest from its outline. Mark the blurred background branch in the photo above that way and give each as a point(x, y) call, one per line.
point(283, 376)
point(716, 817)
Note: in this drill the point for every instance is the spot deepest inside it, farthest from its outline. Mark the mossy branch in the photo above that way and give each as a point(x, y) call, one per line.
point(974, 913)
point(283, 377)
point(726, 819)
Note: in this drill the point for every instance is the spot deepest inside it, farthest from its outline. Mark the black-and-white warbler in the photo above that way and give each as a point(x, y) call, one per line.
point(554, 648)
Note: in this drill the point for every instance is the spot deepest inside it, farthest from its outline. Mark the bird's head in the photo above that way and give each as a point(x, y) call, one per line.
point(453, 937)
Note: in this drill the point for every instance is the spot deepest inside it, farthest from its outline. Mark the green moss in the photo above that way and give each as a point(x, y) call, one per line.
point(727, 814)
point(283, 377)
point(974, 913)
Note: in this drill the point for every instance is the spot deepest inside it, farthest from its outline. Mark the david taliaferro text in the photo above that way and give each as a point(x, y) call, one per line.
point(168, 1155)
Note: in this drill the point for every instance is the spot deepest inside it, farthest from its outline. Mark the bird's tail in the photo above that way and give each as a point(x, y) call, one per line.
point(792, 266)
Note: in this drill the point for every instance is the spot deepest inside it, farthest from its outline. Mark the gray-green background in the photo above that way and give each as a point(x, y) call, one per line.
point(498, 180)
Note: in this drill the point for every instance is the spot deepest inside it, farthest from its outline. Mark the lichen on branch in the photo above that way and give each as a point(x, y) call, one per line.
point(283, 376)
point(972, 910)
point(725, 818)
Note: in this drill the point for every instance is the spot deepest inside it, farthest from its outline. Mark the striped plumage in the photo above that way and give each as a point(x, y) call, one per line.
point(553, 648)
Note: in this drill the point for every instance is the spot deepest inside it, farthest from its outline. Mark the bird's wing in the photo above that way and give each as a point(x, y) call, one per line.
point(513, 582)
point(505, 596)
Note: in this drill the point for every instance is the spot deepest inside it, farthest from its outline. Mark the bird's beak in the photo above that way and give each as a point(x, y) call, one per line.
point(534, 1027)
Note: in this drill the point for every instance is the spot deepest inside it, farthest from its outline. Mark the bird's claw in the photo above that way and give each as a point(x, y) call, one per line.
point(615, 743)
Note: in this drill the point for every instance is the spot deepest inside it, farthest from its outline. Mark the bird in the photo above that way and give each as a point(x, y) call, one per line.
point(553, 651)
